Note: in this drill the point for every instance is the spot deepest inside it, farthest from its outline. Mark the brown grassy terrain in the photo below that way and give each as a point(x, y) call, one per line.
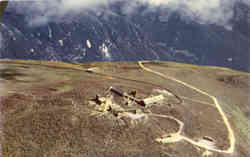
point(45, 110)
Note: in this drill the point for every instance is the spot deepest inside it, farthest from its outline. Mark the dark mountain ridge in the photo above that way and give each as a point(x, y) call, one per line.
point(115, 36)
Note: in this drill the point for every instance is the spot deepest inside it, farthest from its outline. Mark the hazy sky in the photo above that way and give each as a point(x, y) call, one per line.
point(204, 11)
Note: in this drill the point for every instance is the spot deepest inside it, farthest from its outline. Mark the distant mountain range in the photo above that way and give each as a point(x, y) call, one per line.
point(117, 37)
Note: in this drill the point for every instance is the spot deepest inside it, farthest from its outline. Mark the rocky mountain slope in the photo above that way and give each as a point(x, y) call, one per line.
point(115, 36)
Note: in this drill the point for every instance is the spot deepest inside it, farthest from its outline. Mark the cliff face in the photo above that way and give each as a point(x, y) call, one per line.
point(114, 36)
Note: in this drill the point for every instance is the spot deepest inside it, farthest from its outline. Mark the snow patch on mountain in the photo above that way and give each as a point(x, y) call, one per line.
point(61, 42)
point(105, 52)
point(50, 32)
point(88, 44)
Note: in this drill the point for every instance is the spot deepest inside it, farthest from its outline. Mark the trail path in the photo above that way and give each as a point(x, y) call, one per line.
point(175, 137)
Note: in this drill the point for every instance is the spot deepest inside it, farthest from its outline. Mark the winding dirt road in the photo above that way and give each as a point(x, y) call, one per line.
point(175, 137)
